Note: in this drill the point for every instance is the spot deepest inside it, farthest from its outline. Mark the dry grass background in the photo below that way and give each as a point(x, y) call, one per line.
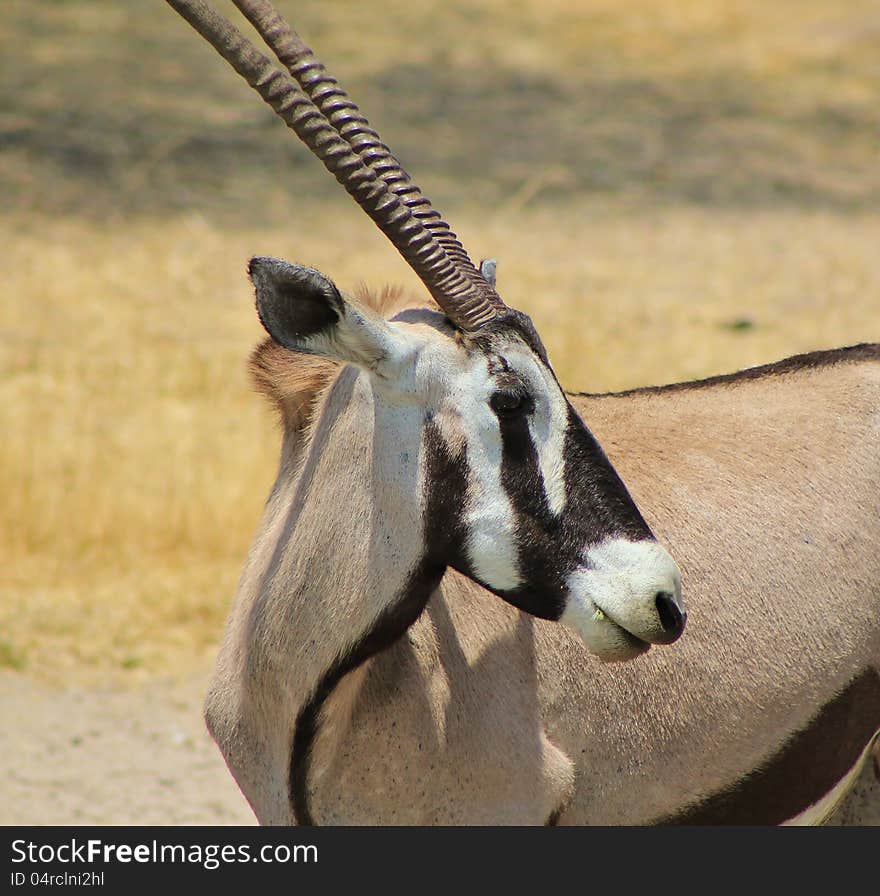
point(672, 189)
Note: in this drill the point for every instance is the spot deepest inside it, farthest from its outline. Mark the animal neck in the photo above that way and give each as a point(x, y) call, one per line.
point(339, 570)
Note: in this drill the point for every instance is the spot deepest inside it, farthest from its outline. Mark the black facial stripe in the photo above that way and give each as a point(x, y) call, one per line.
point(549, 547)
point(592, 482)
point(446, 533)
point(521, 475)
point(446, 483)
point(517, 322)
point(540, 540)
point(541, 601)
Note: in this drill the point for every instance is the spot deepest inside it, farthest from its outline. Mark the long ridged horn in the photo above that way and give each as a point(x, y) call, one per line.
point(437, 258)
point(339, 109)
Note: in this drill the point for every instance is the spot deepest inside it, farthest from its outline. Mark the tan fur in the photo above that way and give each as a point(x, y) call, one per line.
point(291, 381)
point(766, 493)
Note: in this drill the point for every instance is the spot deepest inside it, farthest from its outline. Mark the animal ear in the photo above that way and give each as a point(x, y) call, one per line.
point(304, 311)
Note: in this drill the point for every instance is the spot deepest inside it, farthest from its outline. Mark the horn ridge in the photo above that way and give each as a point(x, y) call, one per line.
point(456, 293)
point(333, 101)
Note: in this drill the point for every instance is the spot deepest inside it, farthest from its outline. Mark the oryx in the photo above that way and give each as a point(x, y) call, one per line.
point(431, 464)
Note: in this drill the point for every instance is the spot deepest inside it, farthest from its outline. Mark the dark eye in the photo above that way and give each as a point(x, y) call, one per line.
point(507, 403)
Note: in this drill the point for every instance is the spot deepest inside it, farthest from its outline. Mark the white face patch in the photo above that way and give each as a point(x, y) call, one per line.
point(458, 389)
point(547, 427)
point(602, 637)
point(490, 518)
point(547, 422)
point(467, 420)
point(621, 579)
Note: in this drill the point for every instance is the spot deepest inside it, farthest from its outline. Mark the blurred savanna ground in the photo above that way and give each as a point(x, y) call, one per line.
point(673, 188)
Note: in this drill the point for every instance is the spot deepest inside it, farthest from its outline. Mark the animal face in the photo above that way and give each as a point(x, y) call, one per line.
point(513, 490)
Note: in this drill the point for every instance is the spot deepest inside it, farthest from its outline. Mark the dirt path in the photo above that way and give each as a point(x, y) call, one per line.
point(111, 756)
point(117, 756)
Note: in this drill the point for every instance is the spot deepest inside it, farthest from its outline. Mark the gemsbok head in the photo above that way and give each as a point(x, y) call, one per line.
point(449, 442)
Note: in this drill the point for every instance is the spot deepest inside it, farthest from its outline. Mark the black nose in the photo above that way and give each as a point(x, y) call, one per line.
point(672, 617)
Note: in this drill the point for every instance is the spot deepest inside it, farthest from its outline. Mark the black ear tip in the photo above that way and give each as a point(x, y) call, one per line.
point(262, 267)
point(275, 273)
point(293, 302)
